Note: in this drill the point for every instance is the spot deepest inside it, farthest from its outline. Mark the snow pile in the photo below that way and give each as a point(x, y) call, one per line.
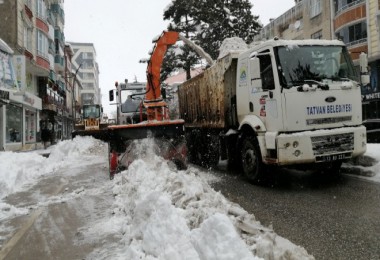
point(77, 148)
point(20, 169)
point(17, 169)
point(232, 44)
point(368, 166)
point(373, 152)
point(168, 214)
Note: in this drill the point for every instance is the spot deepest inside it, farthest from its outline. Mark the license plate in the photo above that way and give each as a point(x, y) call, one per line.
point(333, 157)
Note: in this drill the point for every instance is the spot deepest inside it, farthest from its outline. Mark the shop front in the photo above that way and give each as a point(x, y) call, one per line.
point(19, 119)
point(4, 100)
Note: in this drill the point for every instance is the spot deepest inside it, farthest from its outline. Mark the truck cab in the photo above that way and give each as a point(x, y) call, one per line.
point(302, 98)
point(129, 98)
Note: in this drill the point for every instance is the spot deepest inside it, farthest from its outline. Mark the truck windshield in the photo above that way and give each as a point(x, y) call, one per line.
point(300, 63)
point(129, 104)
point(91, 111)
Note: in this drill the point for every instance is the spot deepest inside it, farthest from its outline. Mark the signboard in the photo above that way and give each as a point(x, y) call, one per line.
point(19, 62)
point(7, 79)
point(4, 96)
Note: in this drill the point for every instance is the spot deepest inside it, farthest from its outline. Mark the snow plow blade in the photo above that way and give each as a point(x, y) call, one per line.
point(168, 136)
point(101, 134)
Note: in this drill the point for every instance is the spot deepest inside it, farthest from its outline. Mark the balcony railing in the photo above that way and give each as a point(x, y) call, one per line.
point(59, 60)
point(347, 6)
point(56, 8)
point(364, 40)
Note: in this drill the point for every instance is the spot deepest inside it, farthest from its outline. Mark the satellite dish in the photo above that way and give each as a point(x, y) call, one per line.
point(297, 24)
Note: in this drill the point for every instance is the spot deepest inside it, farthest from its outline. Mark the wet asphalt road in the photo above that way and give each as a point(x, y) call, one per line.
point(59, 213)
point(331, 217)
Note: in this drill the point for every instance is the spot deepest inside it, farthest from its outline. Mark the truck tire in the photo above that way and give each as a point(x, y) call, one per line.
point(251, 161)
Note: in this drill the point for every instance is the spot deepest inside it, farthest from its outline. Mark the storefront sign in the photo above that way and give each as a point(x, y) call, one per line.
point(371, 96)
point(19, 63)
point(26, 99)
point(4, 95)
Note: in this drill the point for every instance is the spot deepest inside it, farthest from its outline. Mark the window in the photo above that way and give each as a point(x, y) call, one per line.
point(42, 44)
point(87, 65)
point(87, 55)
point(30, 126)
point(88, 85)
point(353, 34)
point(27, 38)
point(41, 9)
point(317, 35)
point(314, 63)
point(315, 8)
point(14, 124)
point(341, 5)
point(88, 75)
point(88, 98)
point(266, 72)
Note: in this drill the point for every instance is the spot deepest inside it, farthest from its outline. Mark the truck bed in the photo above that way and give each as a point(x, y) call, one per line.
point(209, 99)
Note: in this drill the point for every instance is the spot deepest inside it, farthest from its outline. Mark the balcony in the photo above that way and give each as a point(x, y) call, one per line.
point(58, 11)
point(48, 103)
point(59, 62)
point(348, 6)
point(52, 76)
point(58, 34)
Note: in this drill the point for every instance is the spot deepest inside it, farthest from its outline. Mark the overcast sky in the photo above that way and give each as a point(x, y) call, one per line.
point(122, 33)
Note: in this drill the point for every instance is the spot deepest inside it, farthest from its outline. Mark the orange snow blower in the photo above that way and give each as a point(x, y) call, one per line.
point(146, 117)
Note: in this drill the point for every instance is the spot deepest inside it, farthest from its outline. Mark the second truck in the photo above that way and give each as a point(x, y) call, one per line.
point(91, 123)
point(281, 102)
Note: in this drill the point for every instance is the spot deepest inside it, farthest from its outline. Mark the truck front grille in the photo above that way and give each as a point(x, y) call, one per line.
point(328, 120)
point(329, 144)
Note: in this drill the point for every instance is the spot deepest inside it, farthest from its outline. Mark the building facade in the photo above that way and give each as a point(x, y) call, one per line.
point(355, 22)
point(34, 30)
point(84, 60)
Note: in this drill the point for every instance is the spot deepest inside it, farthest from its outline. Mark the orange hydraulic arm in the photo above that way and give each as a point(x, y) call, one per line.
point(156, 107)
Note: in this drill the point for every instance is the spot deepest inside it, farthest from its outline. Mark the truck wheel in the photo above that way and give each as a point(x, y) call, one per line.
point(251, 159)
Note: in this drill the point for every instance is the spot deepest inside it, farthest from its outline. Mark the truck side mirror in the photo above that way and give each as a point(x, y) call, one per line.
point(364, 75)
point(254, 69)
point(111, 95)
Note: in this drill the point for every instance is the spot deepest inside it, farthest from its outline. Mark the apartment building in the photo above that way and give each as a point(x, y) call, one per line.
point(47, 92)
point(355, 22)
point(84, 60)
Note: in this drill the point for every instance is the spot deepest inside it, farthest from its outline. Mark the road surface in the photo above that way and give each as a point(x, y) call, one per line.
point(331, 217)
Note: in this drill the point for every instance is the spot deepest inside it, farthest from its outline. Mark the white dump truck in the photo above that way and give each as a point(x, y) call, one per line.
point(280, 102)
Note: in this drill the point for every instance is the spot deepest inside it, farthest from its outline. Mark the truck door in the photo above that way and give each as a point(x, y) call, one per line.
point(264, 101)
point(243, 89)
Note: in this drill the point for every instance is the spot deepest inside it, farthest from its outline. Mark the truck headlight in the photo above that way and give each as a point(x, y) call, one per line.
point(295, 144)
point(297, 153)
